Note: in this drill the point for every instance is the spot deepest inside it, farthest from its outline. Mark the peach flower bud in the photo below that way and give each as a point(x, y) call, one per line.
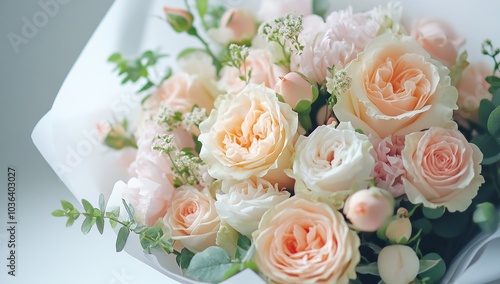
point(241, 23)
point(296, 91)
point(438, 38)
point(399, 230)
point(368, 209)
point(398, 264)
point(180, 20)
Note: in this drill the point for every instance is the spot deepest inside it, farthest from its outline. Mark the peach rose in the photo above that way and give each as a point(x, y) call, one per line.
point(180, 93)
point(438, 38)
point(443, 169)
point(300, 241)
point(264, 71)
point(192, 219)
point(249, 134)
point(368, 209)
point(472, 88)
point(396, 89)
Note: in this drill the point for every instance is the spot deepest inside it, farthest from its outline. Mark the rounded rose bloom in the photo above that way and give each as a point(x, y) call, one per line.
point(264, 71)
point(438, 38)
point(443, 169)
point(398, 264)
point(181, 92)
point(192, 219)
point(472, 88)
point(249, 134)
point(396, 89)
point(242, 203)
point(239, 25)
point(368, 209)
point(300, 241)
point(333, 160)
point(149, 199)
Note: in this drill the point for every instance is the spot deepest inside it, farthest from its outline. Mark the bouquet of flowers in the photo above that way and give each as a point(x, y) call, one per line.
point(308, 145)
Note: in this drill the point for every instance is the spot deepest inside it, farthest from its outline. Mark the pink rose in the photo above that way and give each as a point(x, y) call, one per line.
point(264, 71)
point(149, 199)
point(368, 209)
point(192, 219)
point(300, 241)
point(438, 38)
point(250, 134)
point(443, 169)
point(389, 169)
point(396, 89)
point(472, 88)
point(295, 88)
point(272, 9)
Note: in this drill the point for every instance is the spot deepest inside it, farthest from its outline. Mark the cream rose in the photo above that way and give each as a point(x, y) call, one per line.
point(250, 134)
point(396, 89)
point(242, 203)
point(300, 241)
point(192, 219)
point(398, 264)
point(443, 169)
point(333, 160)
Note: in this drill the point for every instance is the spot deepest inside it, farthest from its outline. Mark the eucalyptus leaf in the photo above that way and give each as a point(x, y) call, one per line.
point(434, 271)
point(370, 268)
point(433, 213)
point(99, 222)
point(102, 203)
point(67, 205)
point(451, 225)
point(488, 146)
point(70, 221)
point(496, 97)
point(494, 122)
point(87, 224)
point(486, 217)
point(184, 259)
point(485, 108)
point(202, 7)
point(209, 265)
point(121, 238)
point(320, 7)
point(87, 206)
point(58, 213)
point(243, 245)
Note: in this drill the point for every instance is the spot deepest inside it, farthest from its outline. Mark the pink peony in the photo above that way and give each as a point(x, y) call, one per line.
point(389, 169)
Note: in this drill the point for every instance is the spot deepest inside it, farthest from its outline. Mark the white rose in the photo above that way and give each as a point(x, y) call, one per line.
point(249, 134)
point(398, 264)
point(243, 203)
point(333, 160)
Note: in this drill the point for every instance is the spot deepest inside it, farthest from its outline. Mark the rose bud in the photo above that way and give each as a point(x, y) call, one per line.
point(180, 20)
point(297, 91)
point(399, 230)
point(398, 264)
point(241, 23)
point(368, 209)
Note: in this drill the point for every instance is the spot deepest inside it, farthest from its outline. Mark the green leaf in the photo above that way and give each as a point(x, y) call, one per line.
point(209, 265)
point(243, 245)
point(429, 267)
point(70, 221)
point(202, 7)
point(121, 238)
point(233, 270)
point(451, 225)
point(99, 221)
point(185, 52)
point(488, 146)
point(371, 268)
point(102, 202)
point(302, 106)
point(87, 224)
point(422, 224)
point(433, 213)
point(494, 122)
point(184, 259)
point(496, 97)
point(320, 7)
point(67, 205)
point(58, 213)
point(129, 209)
point(493, 80)
point(115, 57)
point(486, 217)
point(227, 238)
point(484, 111)
point(87, 206)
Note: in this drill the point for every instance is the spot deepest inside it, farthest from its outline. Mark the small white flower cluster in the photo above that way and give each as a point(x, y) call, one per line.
point(285, 31)
point(169, 118)
point(194, 118)
point(337, 82)
point(185, 166)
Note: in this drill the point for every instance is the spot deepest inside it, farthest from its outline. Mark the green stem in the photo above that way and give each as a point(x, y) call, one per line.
point(305, 121)
point(192, 31)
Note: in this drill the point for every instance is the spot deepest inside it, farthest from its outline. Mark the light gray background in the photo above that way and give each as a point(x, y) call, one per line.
point(29, 82)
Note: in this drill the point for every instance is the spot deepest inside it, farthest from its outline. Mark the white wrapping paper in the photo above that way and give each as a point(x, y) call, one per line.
point(67, 139)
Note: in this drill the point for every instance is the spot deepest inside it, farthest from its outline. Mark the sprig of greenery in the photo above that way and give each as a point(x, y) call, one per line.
point(151, 237)
point(237, 58)
point(137, 68)
point(488, 49)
